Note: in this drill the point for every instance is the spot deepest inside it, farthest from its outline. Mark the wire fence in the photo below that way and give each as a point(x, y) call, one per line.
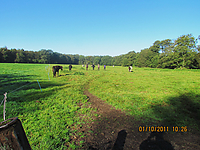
point(20, 87)
point(47, 69)
point(5, 95)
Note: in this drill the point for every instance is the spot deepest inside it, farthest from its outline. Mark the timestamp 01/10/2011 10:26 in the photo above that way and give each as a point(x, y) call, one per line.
point(162, 129)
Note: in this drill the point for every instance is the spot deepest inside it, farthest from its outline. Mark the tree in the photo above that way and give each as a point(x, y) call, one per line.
point(97, 60)
point(62, 59)
point(54, 59)
point(165, 44)
point(125, 62)
point(146, 58)
point(197, 57)
point(1, 57)
point(30, 56)
point(74, 59)
point(183, 52)
point(183, 46)
point(131, 57)
point(171, 60)
point(156, 47)
point(81, 59)
point(117, 60)
point(106, 60)
point(68, 59)
point(21, 56)
point(45, 56)
point(5, 54)
point(89, 59)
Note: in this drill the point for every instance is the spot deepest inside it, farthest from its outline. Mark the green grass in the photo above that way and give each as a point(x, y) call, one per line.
point(162, 96)
point(48, 115)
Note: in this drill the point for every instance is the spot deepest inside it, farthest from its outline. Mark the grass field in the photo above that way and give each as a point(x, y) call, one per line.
point(162, 96)
point(170, 97)
point(48, 115)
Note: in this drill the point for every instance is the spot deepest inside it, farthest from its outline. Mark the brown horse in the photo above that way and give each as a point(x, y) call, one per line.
point(56, 69)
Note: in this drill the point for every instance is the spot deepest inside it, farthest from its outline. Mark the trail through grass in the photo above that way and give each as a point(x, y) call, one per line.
point(46, 116)
point(164, 96)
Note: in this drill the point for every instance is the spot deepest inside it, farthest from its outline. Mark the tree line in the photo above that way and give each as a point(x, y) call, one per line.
point(180, 53)
point(43, 56)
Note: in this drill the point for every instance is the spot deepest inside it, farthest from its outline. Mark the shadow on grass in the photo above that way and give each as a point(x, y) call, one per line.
point(11, 79)
point(11, 82)
point(183, 110)
point(22, 87)
point(22, 92)
point(33, 91)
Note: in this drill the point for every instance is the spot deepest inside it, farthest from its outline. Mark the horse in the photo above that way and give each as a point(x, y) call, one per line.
point(70, 67)
point(56, 69)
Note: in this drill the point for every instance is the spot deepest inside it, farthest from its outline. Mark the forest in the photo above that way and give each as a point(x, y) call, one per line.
point(182, 52)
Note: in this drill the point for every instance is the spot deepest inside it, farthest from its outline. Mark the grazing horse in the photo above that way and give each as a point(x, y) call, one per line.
point(56, 69)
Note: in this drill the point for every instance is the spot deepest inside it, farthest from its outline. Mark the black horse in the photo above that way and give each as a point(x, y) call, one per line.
point(56, 69)
point(70, 67)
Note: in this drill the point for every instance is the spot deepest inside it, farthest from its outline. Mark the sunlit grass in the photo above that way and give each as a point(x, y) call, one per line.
point(155, 95)
point(47, 115)
point(162, 96)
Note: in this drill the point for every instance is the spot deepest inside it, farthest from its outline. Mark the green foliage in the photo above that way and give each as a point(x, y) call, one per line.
point(147, 58)
point(117, 60)
point(97, 59)
point(184, 45)
point(165, 44)
point(180, 53)
point(20, 56)
point(81, 59)
point(125, 62)
point(106, 60)
point(156, 47)
point(89, 59)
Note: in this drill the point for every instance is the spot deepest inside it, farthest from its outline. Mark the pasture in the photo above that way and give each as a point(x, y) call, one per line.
point(161, 96)
point(46, 116)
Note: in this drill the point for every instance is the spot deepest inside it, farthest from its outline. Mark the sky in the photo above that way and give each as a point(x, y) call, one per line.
point(95, 27)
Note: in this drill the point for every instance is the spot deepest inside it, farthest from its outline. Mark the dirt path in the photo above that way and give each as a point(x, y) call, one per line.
point(114, 130)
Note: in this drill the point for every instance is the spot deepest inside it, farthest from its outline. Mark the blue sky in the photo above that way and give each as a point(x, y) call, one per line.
point(95, 27)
